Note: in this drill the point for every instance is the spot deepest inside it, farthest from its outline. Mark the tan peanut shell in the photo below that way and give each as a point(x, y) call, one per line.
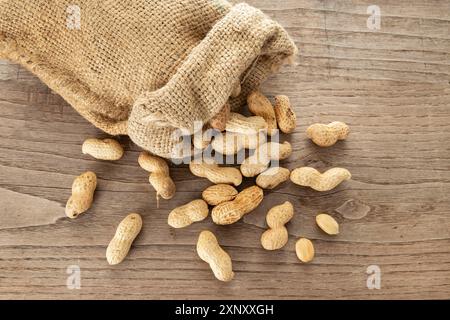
point(326, 135)
point(216, 174)
point(230, 143)
point(152, 163)
point(187, 214)
point(310, 177)
point(219, 193)
point(125, 234)
point(327, 223)
point(277, 235)
point(304, 249)
point(260, 160)
point(209, 250)
point(245, 125)
point(83, 188)
point(219, 121)
point(103, 149)
point(286, 118)
point(232, 211)
point(273, 177)
point(259, 105)
point(159, 175)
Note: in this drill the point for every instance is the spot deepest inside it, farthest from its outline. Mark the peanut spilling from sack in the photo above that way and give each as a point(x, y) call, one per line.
point(286, 118)
point(83, 188)
point(326, 135)
point(273, 177)
point(310, 177)
point(260, 160)
point(304, 249)
point(219, 193)
point(230, 143)
point(216, 174)
point(245, 125)
point(159, 175)
point(209, 250)
point(327, 223)
point(232, 211)
point(259, 105)
point(125, 234)
point(186, 215)
point(277, 236)
point(103, 149)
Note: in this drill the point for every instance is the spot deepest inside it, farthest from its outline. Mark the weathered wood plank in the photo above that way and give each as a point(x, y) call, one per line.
point(392, 86)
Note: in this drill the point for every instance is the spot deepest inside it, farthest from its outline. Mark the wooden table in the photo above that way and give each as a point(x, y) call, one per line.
point(392, 86)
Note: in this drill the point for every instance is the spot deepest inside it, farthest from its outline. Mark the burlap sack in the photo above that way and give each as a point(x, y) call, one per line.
point(144, 67)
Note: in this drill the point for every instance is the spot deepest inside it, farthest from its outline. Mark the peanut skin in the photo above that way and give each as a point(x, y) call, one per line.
point(106, 149)
point(272, 177)
point(83, 188)
point(232, 211)
point(245, 125)
point(277, 236)
point(304, 249)
point(186, 215)
point(286, 118)
point(209, 250)
point(259, 105)
point(125, 234)
point(310, 177)
point(326, 135)
point(219, 193)
point(159, 175)
point(216, 174)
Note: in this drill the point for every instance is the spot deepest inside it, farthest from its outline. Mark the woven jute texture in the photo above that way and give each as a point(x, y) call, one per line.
point(144, 67)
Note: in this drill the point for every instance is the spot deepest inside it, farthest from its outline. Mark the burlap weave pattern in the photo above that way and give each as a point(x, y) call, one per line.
point(144, 67)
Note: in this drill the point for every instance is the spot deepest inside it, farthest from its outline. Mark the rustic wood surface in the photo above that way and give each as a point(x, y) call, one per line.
point(392, 86)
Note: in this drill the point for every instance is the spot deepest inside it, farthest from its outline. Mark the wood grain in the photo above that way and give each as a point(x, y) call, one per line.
point(392, 86)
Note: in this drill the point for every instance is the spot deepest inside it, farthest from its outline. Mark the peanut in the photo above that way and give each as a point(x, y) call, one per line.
point(216, 174)
point(83, 188)
point(106, 149)
point(277, 235)
point(125, 234)
point(304, 249)
point(219, 121)
point(310, 177)
point(286, 118)
point(219, 193)
point(209, 250)
point(259, 105)
point(327, 223)
point(159, 175)
point(326, 135)
point(230, 143)
point(186, 215)
point(245, 125)
point(273, 177)
point(260, 160)
point(232, 211)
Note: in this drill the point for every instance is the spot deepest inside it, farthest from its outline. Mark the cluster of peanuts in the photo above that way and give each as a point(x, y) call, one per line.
point(228, 204)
